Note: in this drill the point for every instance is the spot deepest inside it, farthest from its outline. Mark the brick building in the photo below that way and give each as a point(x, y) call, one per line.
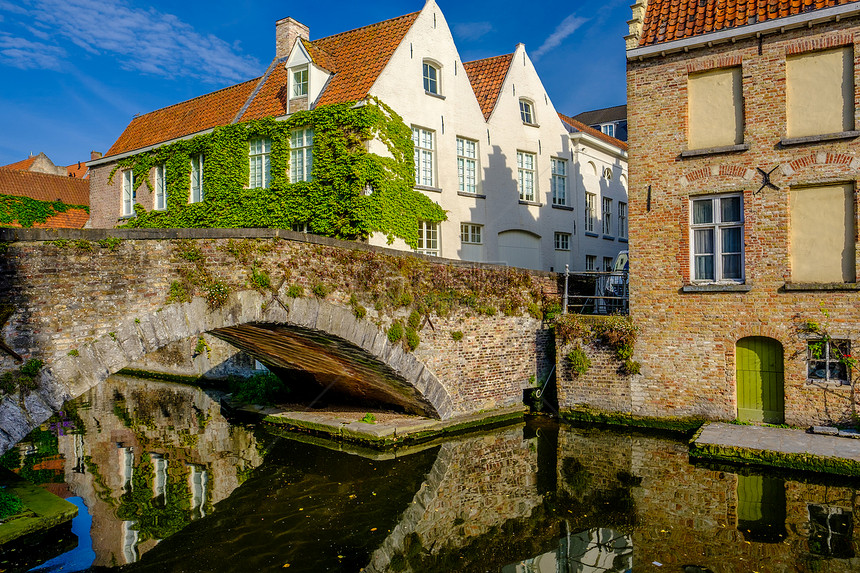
point(743, 208)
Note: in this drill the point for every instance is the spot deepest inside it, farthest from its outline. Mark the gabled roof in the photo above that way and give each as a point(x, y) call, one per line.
point(577, 126)
point(22, 165)
point(356, 57)
point(487, 77)
point(605, 115)
point(668, 20)
point(78, 170)
point(45, 187)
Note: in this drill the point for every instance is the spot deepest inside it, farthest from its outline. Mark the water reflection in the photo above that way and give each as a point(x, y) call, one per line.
point(172, 486)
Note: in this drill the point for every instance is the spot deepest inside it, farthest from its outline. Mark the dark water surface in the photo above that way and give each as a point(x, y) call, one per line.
point(165, 483)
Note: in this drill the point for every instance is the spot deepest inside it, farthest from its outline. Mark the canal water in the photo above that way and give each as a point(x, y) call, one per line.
point(165, 483)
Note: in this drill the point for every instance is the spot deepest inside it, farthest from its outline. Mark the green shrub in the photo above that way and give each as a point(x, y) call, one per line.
point(412, 338)
point(32, 367)
point(83, 245)
point(414, 320)
point(73, 352)
point(216, 294)
point(189, 251)
point(631, 367)
point(535, 311)
point(261, 389)
point(10, 504)
point(405, 299)
point(111, 243)
point(321, 290)
point(178, 293)
point(260, 279)
point(579, 362)
point(395, 332)
point(457, 335)
point(296, 291)
point(368, 418)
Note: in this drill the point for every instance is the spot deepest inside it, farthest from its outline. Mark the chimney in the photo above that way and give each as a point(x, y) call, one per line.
point(287, 31)
point(95, 155)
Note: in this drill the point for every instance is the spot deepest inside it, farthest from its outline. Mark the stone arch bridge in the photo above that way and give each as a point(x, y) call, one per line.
point(90, 302)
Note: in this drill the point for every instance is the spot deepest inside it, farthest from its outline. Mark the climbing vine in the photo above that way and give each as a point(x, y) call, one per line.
point(353, 192)
point(26, 211)
point(616, 332)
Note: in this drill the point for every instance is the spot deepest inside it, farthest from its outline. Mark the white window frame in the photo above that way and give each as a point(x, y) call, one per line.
point(128, 194)
point(431, 73)
point(301, 154)
point(559, 181)
point(607, 216)
point(159, 199)
point(718, 227)
point(425, 159)
point(467, 165)
point(428, 238)
point(527, 112)
point(471, 234)
point(527, 175)
point(259, 169)
point(301, 227)
point(829, 355)
point(197, 194)
point(590, 262)
point(590, 211)
point(562, 241)
point(300, 78)
point(608, 129)
point(622, 219)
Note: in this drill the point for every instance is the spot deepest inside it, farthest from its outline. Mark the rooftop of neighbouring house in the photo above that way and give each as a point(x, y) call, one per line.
point(669, 20)
point(604, 115)
point(47, 187)
point(574, 126)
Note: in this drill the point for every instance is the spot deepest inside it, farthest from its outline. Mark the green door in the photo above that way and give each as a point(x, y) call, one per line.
point(760, 380)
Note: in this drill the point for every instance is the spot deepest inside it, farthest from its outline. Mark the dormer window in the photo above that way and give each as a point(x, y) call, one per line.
point(431, 78)
point(527, 112)
point(300, 82)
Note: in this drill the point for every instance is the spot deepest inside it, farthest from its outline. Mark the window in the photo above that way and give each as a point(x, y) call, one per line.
point(831, 531)
point(196, 178)
point(562, 241)
point(827, 79)
point(715, 109)
point(526, 112)
point(607, 264)
point(300, 82)
point(607, 216)
point(526, 175)
point(258, 162)
point(821, 232)
point(128, 193)
point(431, 78)
point(607, 173)
point(428, 238)
point(718, 238)
point(590, 262)
point(470, 233)
point(590, 211)
point(300, 228)
point(608, 129)
point(467, 165)
point(559, 182)
point(825, 360)
point(301, 155)
point(424, 169)
point(622, 219)
point(160, 198)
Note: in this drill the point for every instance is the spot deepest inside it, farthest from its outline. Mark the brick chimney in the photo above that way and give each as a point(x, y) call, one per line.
point(287, 31)
point(95, 155)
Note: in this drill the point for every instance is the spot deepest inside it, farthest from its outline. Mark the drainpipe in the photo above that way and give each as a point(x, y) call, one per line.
point(566, 279)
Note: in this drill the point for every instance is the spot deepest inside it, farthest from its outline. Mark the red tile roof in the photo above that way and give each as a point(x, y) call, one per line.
point(44, 187)
point(356, 57)
point(78, 170)
point(668, 20)
point(579, 126)
point(487, 77)
point(22, 165)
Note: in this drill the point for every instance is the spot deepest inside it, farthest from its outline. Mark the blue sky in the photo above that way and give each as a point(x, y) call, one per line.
point(75, 72)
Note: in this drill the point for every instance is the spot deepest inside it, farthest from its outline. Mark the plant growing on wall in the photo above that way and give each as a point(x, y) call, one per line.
point(25, 211)
point(353, 193)
point(616, 332)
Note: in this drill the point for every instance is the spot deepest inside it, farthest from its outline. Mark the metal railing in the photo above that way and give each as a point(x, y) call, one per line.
point(596, 292)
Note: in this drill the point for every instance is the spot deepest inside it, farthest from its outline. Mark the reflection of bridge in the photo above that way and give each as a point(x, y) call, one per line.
point(89, 303)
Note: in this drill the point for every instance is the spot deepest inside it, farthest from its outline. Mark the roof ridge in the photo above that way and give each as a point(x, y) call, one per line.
point(583, 128)
point(490, 58)
point(365, 27)
point(260, 83)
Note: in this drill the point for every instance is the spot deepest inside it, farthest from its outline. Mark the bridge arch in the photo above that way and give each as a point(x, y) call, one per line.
point(92, 363)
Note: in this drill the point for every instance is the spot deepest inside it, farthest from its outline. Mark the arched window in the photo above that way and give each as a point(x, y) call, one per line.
point(432, 74)
point(527, 111)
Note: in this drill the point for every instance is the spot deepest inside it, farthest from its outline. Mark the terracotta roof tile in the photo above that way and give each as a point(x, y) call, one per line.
point(271, 98)
point(78, 170)
point(669, 20)
point(71, 219)
point(487, 77)
point(192, 116)
point(23, 165)
point(44, 187)
point(579, 126)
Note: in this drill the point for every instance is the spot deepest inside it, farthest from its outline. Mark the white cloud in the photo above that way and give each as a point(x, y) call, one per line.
point(472, 30)
point(567, 27)
point(24, 54)
point(143, 40)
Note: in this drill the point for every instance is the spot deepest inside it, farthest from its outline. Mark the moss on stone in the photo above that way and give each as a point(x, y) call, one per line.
point(596, 416)
point(803, 462)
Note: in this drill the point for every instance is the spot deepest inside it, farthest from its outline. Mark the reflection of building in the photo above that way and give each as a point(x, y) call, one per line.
point(592, 551)
point(743, 221)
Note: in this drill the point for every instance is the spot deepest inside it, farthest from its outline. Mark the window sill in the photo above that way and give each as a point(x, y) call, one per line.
point(427, 188)
point(717, 288)
point(531, 124)
point(475, 195)
point(562, 207)
point(788, 141)
point(532, 203)
point(622, 240)
point(828, 383)
point(431, 94)
point(590, 234)
point(127, 217)
point(714, 150)
point(801, 287)
point(608, 238)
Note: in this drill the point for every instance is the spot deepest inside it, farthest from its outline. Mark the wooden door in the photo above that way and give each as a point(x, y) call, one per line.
point(760, 380)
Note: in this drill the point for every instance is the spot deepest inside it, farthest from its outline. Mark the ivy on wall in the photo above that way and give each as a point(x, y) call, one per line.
point(26, 211)
point(353, 193)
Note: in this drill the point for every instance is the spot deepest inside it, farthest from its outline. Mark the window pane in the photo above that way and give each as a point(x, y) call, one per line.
point(731, 266)
point(704, 241)
point(703, 211)
point(705, 267)
point(731, 240)
point(731, 209)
